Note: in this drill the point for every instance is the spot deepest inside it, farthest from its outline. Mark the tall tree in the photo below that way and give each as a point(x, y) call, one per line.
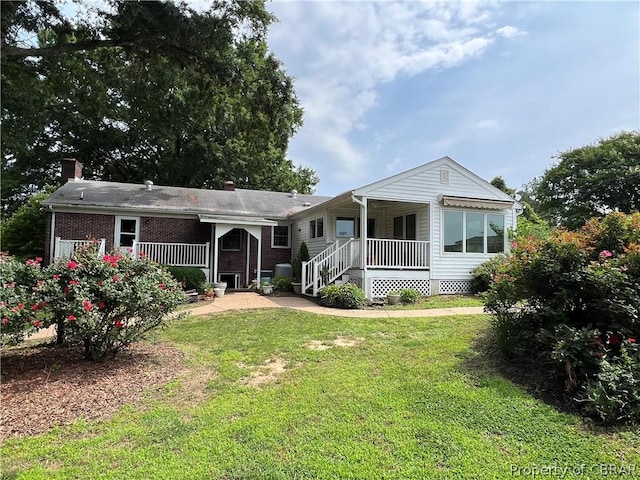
point(146, 90)
point(591, 181)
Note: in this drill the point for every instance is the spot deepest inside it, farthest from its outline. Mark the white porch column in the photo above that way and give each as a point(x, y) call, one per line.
point(220, 231)
point(363, 232)
point(256, 231)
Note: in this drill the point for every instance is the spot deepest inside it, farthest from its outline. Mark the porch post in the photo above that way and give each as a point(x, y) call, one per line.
point(363, 235)
point(215, 254)
point(259, 259)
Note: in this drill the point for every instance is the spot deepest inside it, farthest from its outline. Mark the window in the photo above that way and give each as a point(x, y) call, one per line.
point(472, 232)
point(232, 240)
point(495, 233)
point(280, 236)
point(316, 228)
point(404, 227)
point(126, 232)
point(345, 227)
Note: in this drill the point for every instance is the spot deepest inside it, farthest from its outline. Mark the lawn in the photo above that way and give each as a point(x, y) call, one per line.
point(440, 301)
point(280, 394)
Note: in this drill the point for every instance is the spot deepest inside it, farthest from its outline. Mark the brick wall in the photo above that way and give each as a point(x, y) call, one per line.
point(74, 226)
point(174, 230)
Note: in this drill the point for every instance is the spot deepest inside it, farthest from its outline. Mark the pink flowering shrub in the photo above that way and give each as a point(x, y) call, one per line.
point(106, 303)
point(574, 299)
point(102, 303)
point(21, 306)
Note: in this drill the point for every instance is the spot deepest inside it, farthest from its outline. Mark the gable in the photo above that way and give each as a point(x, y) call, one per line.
point(432, 181)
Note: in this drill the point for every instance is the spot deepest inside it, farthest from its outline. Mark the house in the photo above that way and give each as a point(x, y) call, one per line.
point(425, 228)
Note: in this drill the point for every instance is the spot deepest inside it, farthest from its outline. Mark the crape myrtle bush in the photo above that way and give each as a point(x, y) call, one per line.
point(574, 299)
point(21, 305)
point(103, 303)
point(347, 295)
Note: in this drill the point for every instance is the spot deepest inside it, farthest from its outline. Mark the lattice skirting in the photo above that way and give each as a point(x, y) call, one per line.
point(451, 287)
point(380, 287)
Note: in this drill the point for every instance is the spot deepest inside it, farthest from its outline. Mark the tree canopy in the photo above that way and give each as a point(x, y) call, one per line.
point(591, 181)
point(145, 90)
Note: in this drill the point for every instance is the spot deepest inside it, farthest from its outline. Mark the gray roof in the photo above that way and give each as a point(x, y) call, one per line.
point(135, 197)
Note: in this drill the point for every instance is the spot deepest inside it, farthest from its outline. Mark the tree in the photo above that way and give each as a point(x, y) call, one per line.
point(591, 181)
point(23, 233)
point(146, 90)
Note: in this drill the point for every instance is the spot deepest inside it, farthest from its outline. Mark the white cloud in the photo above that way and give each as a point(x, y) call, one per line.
point(508, 31)
point(341, 54)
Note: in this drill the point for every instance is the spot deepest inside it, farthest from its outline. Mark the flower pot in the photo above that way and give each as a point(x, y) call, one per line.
point(393, 299)
point(267, 289)
point(297, 287)
point(220, 285)
point(219, 292)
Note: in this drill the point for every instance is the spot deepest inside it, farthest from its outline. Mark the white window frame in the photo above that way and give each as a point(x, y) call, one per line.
point(118, 231)
point(273, 228)
point(464, 232)
point(313, 227)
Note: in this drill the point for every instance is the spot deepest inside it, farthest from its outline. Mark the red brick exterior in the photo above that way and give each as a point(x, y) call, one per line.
point(236, 261)
point(73, 226)
point(174, 230)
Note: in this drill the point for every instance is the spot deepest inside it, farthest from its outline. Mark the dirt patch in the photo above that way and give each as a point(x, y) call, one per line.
point(347, 342)
point(340, 341)
point(267, 372)
point(317, 345)
point(46, 386)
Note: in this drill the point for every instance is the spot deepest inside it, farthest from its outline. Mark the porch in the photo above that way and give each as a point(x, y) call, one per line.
point(394, 261)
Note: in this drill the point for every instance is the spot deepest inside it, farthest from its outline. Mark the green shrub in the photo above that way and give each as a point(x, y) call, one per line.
point(613, 394)
point(347, 295)
point(304, 252)
point(409, 295)
point(574, 298)
point(484, 274)
point(282, 284)
point(189, 277)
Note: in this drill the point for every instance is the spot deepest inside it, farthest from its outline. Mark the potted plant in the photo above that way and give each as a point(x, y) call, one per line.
point(208, 291)
point(219, 288)
point(393, 297)
point(267, 288)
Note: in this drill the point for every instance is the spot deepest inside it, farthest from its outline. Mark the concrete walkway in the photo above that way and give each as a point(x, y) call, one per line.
point(248, 300)
point(252, 300)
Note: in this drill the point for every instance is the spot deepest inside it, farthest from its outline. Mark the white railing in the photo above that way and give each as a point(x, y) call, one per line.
point(327, 266)
point(177, 254)
point(66, 248)
point(397, 254)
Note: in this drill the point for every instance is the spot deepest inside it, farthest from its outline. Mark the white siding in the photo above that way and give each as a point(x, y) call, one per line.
point(424, 185)
point(315, 245)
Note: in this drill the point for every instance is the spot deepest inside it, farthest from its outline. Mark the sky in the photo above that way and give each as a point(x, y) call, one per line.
point(500, 87)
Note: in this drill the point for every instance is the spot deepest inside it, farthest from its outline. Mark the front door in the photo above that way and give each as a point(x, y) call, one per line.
point(127, 231)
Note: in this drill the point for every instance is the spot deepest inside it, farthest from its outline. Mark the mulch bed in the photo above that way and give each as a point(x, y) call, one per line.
point(47, 386)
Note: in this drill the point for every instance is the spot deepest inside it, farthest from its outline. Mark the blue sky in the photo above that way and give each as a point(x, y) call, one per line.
point(500, 87)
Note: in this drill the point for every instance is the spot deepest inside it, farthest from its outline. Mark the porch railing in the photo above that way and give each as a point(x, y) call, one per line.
point(178, 254)
point(328, 265)
point(66, 248)
point(397, 254)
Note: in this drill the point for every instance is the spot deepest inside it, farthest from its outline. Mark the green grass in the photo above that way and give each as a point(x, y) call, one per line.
point(411, 399)
point(440, 301)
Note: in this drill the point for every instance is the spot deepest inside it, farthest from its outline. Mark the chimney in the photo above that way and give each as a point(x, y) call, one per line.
point(71, 169)
point(229, 186)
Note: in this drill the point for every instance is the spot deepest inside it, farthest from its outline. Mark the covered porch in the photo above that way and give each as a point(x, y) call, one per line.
point(379, 244)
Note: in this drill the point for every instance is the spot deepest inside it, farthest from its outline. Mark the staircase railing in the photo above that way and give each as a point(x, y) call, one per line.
point(328, 265)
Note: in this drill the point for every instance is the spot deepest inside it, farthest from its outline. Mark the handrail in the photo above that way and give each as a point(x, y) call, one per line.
point(177, 254)
point(327, 266)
